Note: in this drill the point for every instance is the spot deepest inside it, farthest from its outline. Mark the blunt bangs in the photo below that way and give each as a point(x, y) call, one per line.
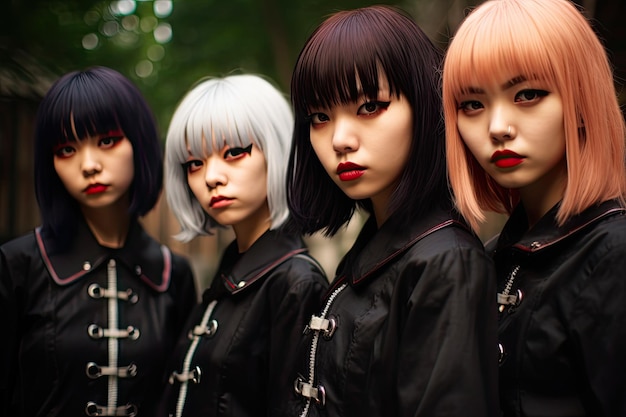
point(345, 58)
point(84, 109)
point(87, 103)
point(514, 51)
point(550, 41)
point(234, 111)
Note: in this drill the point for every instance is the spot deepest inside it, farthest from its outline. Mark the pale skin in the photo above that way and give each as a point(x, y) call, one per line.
point(231, 186)
point(97, 172)
point(375, 135)
point(525, 117)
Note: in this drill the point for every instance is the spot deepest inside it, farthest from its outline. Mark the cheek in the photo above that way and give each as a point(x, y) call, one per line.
point(473, 140)
point(196, 186)
point(62, 169)
point(324, 152)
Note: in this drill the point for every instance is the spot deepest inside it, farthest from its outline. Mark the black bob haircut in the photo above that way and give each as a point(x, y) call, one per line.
point(87, 103)
point(345, 55)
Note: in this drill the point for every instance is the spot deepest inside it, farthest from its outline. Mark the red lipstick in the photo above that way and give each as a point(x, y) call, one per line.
point(506, 159)
point(220, 201)
point(95, 189)
point(349, 171)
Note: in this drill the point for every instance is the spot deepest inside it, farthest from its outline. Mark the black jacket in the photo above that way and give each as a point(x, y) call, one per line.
point(410, 327)
point(238, 344)
point(68, 316)
point(564, 344)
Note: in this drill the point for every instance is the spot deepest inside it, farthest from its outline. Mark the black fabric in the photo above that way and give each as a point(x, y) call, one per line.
point(564, 343)
point(416, 329)
point(46, 308)
point(263, 301)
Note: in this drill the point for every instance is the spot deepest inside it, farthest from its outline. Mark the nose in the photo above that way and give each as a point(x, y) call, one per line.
point(500, 127)
point(90, 164)
point(215, 174)
point(345, 138)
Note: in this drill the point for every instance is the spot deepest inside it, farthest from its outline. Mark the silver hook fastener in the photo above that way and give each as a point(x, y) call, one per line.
point(95, 371)
point(97, 332)
point(309, 391)
point(96, 291)
point(327, 326)
point(193, 376)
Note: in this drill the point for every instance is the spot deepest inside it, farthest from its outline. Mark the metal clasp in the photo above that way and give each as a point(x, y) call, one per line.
point(95, 371)
point(96, 291)
point(193, 376)
point(309, 391)
point(327, 326)
point(93, 409)
point(207, 331)
point(97, 332)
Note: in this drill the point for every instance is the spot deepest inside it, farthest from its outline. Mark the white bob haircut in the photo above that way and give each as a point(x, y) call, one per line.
point(233, 111)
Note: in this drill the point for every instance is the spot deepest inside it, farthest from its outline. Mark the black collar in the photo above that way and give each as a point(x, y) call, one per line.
point(141, 255)
point(375, 248)
point(547, 232)
point(269, 251)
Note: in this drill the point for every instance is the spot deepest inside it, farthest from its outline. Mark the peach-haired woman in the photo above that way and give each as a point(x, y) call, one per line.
point(534, 130)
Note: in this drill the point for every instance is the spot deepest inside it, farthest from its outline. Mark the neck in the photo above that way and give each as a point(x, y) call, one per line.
point(540, 197)
point(109, 227)
point(251, 229)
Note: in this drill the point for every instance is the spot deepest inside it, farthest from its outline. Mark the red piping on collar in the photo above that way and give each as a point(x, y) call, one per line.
point(46, 260)
point(530, 249)
point(166, 274)
point(234, 289)
point(405, 247)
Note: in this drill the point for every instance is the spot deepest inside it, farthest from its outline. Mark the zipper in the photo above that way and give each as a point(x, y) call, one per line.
point(505, 298)
point(182, 394)
point(314, 341)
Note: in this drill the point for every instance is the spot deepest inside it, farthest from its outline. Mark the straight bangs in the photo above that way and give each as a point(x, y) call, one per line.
point(566, 55)
point(489, 45)
point(235, 111)
point(84, 103)
point(344, 60)
point(85, 109)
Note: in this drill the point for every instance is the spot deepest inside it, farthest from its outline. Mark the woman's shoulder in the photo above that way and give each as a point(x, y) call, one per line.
point(452, 239)
point(24, 245)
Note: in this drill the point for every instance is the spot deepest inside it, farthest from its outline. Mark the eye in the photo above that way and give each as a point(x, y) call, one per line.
point(469, 106)
point(318, 118)
point(232, 154)
point(64, 151)
point(372, 108)
point(108, 142)
point(192, 165)
point(530, 96)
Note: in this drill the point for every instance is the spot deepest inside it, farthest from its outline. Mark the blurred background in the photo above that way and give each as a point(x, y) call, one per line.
point(165, 46)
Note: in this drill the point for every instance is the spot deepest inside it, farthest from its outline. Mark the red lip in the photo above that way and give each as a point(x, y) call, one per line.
point(506, 159)
point(349, 171)
point(219, 201)
point(95, 188)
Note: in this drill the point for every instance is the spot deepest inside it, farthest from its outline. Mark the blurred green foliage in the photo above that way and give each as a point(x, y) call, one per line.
point(212, 37)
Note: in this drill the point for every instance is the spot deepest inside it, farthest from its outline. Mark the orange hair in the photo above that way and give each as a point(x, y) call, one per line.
point(552, 41)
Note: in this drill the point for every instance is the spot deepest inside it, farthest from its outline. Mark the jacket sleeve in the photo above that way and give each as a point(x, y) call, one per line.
point(8, 347)
point(184, 289)
point(598, 325)
point(447, 353)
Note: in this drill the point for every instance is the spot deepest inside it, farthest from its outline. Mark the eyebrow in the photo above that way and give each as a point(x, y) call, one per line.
point(505, 86)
